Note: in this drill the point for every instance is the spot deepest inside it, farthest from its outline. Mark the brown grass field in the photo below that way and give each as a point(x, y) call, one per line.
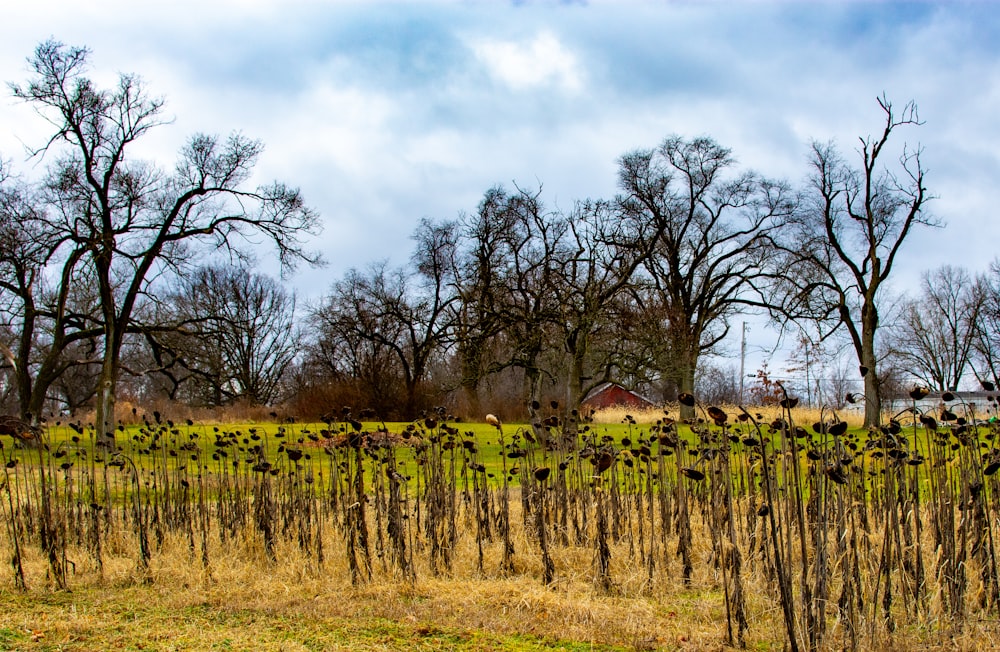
point(244, 601)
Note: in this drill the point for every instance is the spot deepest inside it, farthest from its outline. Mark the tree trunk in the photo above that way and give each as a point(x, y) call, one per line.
point(36, 390)
point(866, 356)
point(104, 418)
point(22, 367)
point(471, 361)
point(532, 389)
point(107, 382)
point(685, 384)
point(873, 393)
point(474, 407)
point(684, 365)
point(574, 390)
point(410, 407)
point(32, 410)
point(25, 396)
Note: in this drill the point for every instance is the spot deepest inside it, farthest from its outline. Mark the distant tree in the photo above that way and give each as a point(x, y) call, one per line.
point(717, 385)
point(986, 335)
point(935, 336)
point(409, 313)
point(630, 349)
point(806, 361)
point(605, 248)
point(842, 247)
point(477, 272)
point(228, 334)
point(76, 386)
point(342, 361)
point(842, 376)
point(130, 220)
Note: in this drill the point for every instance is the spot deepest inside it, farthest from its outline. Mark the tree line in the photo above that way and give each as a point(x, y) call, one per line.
point(513, 304)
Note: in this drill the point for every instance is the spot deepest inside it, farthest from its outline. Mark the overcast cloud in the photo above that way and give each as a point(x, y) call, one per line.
point(384, 113)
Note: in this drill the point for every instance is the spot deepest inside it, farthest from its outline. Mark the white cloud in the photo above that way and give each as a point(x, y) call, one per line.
point(528, 64)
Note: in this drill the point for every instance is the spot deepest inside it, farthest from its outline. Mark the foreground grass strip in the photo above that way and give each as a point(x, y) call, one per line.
point(144, 619)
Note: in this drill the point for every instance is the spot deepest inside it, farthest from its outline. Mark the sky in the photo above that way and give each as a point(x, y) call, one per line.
point(385, 113)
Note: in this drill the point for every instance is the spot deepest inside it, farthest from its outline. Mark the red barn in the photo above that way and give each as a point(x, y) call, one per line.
point(609, 395)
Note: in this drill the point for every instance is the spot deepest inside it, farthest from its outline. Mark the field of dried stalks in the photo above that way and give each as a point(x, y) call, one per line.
point(730, 532)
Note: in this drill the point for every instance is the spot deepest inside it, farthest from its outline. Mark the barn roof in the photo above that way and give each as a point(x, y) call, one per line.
point(604, 387)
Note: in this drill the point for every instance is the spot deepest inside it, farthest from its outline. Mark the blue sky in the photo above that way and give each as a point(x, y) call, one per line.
point(384, 113)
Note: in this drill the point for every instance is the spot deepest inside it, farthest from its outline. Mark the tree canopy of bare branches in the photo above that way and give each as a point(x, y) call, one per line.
point(710, 246)
point(382, 314)
point(128, 218)
point(225, 334)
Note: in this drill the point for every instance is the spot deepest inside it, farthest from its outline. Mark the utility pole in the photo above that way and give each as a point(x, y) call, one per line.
point(808, 345)
point(743, 361)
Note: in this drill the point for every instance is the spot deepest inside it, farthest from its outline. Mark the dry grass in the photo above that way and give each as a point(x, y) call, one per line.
point(245, 601)
point(854, 418)
point(131, 413)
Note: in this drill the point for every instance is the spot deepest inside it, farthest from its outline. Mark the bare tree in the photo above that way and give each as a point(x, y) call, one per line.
point(711, 231)
point(75, 388)
point(718, 385)
point(606, 248)
point(986, 344)
point(630, 347)
point(806, 361)
point(130, 219)
point(342, 361)
point(231, 333)
point(44, 302)
point(477, 322)
point(508, 277)
point(935, 336)
point(840, 381)
point(410, 315)
point(842, 247)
